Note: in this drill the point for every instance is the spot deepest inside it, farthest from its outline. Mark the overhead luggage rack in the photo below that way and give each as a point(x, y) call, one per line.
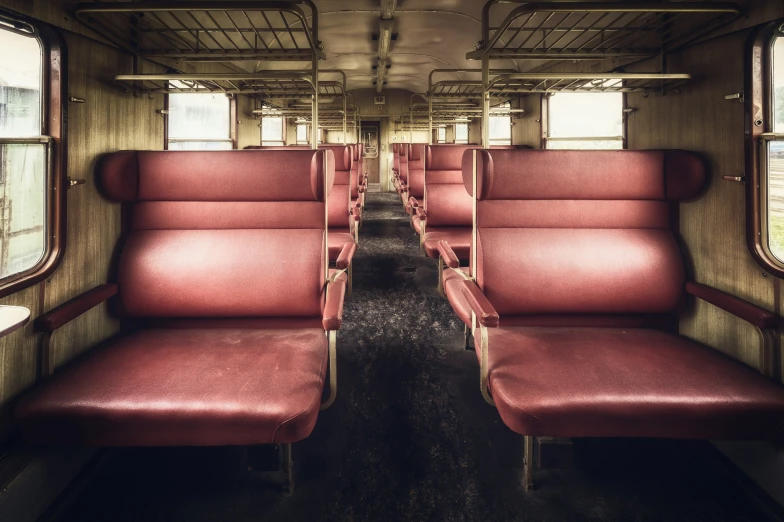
point(270, 84)
point(521, 83)
point(208, 30)
point(597, 30)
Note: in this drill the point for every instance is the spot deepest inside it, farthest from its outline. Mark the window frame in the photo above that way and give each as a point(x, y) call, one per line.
point(273, 143)
point(545, 134)
point(439, 139)
point(759, 132)
point(233, 123)
point(505, 105)
point(307, 134)
point(54, 98)
point(468, 134)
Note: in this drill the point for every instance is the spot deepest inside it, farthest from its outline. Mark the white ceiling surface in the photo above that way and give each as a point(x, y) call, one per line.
point(432, 34)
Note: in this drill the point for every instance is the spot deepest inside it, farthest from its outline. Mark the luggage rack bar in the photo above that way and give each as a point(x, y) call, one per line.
point(208, 31)
point(598, 30)
point(521, 83)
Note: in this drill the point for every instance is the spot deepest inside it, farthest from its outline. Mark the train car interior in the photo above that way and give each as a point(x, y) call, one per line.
point(391, 260)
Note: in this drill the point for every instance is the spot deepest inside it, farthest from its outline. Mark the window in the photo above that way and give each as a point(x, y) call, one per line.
point(29, 212)
point(441, 135)
point(199, 121)
point(272, 131)
point(772, 156)
point(302, 134)
point(584, 121)
point(501, 128)
point(461, 133)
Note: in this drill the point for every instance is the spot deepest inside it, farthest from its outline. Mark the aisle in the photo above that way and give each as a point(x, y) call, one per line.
point(410, 437)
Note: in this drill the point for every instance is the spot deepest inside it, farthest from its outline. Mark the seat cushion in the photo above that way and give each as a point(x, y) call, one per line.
point(183, 387)
point(451, 281)
point(613, 382)
point(336, 238)
point(459, 238)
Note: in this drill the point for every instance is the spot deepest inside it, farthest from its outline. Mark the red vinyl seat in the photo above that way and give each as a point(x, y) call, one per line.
point(344, 213)
point(626, 382)
point(402, 173)
point(446, 211)
point(358, 185)
point(185, 387)
point(229, 316)
point(579, 279)
point(415, 190)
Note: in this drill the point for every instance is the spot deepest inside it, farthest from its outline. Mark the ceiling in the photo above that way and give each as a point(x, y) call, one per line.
point(431, 34)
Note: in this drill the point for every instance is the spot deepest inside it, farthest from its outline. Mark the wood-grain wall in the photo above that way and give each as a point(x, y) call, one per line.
point(109, 120)
point(712, 227)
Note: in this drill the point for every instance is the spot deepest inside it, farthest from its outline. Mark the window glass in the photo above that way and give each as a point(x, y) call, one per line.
point(501, 128)
point(199, 121)
point(585, 121)
point(23, 166)
point(272, 130)
point(775, 157)
point(302, 134)
point(441, 135)
point(461, 133)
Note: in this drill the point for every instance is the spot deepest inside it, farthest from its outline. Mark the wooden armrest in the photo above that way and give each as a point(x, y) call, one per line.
point(346, 255)
point(448, 255)
point(477, 301)
point(66, 312)
point(750, 313)
point(332, 317)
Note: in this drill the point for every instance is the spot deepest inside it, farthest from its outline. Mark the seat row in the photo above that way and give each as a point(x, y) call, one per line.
point(228, 301)
point(571, 279)
point(347, 198)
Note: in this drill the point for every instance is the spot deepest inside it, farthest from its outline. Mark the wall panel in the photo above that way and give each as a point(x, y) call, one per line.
point(713, 226)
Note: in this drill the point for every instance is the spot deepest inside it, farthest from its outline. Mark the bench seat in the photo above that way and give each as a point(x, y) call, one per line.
point(181, 387)
point(614, 382)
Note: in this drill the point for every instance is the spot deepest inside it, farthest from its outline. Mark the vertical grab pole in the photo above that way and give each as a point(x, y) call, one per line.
point(430, 120)
point(485, 101)
point(411, 121)
point(314, 131)
point(345, 108)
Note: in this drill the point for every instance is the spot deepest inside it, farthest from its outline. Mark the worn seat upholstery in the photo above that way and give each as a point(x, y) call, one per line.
point(447, 210)
point(416, 177)
point(221, 289)
point(630, 382)
point(344, 215)
point(579, 281)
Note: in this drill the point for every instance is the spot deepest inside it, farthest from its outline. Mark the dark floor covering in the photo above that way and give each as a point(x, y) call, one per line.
point(409, 437)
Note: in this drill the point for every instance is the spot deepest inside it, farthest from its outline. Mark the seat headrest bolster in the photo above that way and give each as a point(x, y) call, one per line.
point(246, 175)
point(446, 157)
point(118, 175)
point(658, 175)
point(344, 159)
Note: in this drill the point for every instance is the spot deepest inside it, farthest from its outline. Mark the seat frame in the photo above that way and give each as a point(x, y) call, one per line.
point(484, 316)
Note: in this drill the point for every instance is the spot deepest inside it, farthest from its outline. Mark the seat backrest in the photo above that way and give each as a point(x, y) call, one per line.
point(340, 197)
point(403, 151)
point(355, 165)
point(221, 234)
point(277, 147)
point(580, 232)
point(416, 170)
point(445, 199)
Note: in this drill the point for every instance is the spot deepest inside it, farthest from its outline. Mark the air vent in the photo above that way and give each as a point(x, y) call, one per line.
point(379, 100)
